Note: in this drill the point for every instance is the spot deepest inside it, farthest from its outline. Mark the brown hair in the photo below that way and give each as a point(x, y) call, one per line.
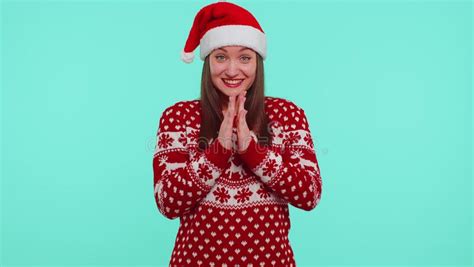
point(211, 113)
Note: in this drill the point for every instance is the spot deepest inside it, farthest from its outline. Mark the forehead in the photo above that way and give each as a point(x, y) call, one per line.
point(234, 48)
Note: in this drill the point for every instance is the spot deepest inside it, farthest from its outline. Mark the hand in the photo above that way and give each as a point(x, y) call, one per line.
point(225, 131)
point(243, 131)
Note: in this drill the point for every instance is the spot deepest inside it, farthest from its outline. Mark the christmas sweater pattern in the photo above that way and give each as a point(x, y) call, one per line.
point(233, 208)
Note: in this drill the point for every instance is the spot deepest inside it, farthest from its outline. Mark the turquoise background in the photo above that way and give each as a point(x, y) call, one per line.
point(386, 87)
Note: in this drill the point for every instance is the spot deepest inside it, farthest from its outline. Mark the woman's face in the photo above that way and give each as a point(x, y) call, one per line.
point(233, 69)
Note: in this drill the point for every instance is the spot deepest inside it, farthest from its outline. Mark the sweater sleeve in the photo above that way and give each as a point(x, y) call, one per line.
point(291, 169)
point(182, 175)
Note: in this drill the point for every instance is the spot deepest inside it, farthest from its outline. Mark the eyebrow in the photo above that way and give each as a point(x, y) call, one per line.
point(243, 48)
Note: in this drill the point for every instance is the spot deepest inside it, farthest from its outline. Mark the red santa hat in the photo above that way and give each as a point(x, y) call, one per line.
point(221, 24)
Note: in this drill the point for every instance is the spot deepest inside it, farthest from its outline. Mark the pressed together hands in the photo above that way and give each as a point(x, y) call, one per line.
point(235, 110)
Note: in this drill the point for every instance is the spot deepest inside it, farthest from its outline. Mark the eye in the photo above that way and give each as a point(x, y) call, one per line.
point(246, 58)
point(218, 57)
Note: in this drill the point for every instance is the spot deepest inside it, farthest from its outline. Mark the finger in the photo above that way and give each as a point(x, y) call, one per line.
point(242, 114)
point(238, 104)
point(231, 107)
point(228, 114)
point(241, 102)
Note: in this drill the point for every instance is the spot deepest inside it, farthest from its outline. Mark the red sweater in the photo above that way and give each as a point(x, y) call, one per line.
point(233, 208)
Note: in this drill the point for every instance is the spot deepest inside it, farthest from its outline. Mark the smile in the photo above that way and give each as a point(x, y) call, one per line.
point(232, 83)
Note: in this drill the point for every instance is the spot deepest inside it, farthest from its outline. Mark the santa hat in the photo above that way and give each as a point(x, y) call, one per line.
point(221, 24)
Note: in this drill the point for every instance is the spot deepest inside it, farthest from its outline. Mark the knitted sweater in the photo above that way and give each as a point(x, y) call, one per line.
point(233, 208)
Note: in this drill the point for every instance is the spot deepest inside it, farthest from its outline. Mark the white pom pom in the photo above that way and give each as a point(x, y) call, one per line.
point(187, 57)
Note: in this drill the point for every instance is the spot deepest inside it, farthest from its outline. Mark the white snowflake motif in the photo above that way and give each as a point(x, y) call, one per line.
point(297, 154)
point(163, 159)
point(304, 163)
point(192, 155)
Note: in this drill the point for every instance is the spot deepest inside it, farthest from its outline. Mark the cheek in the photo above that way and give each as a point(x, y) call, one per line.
point(251, 72)
point(217, 69)
point(215, 73)
point(250, 68)
point(216, 81)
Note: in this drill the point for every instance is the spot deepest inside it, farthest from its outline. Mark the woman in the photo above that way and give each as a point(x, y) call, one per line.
point(229, 163)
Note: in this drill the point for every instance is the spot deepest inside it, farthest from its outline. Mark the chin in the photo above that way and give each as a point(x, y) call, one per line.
point(232, 91)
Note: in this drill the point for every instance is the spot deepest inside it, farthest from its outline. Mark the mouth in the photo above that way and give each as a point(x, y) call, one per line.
point(232, 83)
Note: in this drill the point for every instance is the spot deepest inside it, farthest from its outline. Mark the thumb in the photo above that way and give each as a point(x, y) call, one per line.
point(242, 117)
point(243, 113)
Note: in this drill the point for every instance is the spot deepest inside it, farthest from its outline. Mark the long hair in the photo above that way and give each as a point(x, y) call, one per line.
point(211, 113)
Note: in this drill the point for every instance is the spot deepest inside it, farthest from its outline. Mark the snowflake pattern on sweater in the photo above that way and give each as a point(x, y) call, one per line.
point(233, 208)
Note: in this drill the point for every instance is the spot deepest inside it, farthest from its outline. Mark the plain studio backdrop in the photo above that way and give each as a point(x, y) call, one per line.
point(386, 86)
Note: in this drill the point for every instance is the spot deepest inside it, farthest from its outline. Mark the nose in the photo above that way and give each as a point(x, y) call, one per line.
point(232, 69)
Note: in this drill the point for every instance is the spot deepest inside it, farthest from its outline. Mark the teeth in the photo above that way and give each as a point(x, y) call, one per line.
point(232, 81)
